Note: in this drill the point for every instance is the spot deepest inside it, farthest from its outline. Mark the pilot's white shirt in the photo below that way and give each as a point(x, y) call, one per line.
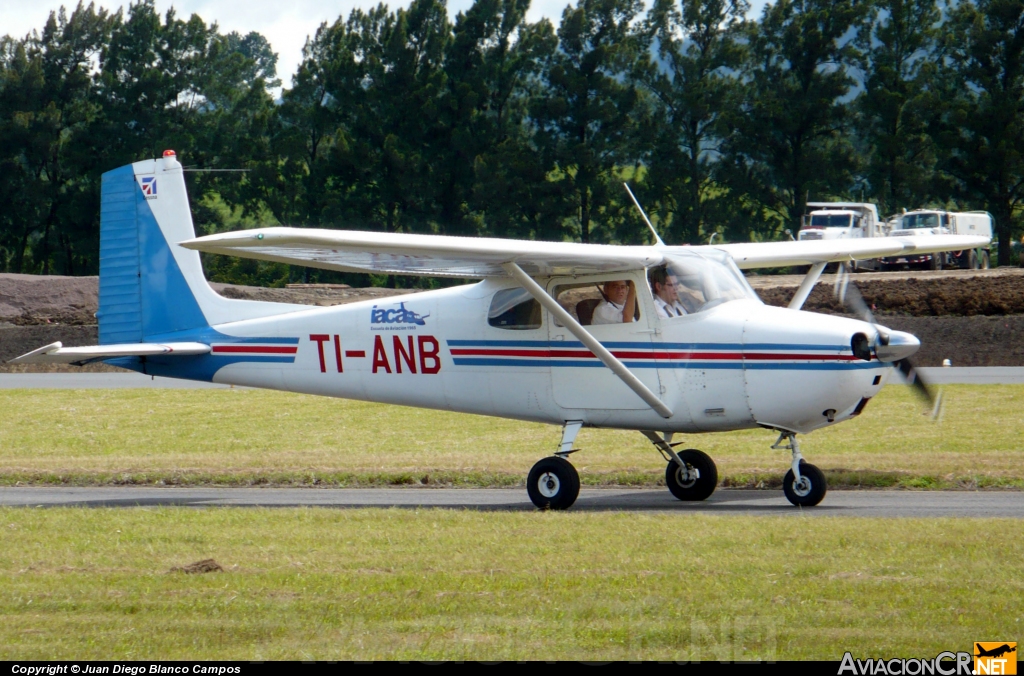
point(607, 312)
point(666, 310)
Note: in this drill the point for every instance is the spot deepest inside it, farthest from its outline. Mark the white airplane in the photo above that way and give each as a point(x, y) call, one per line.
point(521, 343)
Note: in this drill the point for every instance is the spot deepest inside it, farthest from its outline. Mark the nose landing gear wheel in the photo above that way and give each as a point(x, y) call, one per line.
point(807, 492)
point(553, 483)
point(696, 481)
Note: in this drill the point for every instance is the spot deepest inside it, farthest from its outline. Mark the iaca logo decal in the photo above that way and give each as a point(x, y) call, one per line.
point(385, 319)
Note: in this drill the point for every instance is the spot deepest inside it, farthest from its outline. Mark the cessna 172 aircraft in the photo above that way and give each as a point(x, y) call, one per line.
point(530, 341)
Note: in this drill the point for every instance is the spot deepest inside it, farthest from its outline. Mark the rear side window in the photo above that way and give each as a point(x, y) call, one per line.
point(514, 309)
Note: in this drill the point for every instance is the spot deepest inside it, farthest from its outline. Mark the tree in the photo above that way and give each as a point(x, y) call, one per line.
point(160, 84)
point(898, 58)
point(693, 78)
point(384, 80)
point(493, 179)
point(49, 158)
point(259, 58)
point(983, 126)
point(585, 112)
point(168, 84)
point(791, 134)
point(288, 171)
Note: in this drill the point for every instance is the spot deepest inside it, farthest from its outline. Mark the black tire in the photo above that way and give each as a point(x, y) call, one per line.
point(972, 260)
point(553, 483)
point(692, 489)
point(984, 262)
point(810, 492)
point(936, 262)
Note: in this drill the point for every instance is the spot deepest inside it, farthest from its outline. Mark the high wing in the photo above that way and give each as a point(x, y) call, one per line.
point(434, 255)
point(56, 353)
point(782, 254)
point(480, 257)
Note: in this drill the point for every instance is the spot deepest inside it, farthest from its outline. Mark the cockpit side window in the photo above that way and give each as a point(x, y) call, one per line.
point(514, 309)
point(588, 303)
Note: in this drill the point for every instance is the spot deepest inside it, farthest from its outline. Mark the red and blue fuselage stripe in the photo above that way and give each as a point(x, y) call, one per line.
point(571, 354)
point(256, 347)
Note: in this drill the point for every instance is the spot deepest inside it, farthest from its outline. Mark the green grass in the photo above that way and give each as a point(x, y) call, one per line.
point(435, 584)
point(256, 437)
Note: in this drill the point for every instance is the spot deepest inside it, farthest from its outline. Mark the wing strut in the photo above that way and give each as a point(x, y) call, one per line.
point(813, 275)
point(592, 344)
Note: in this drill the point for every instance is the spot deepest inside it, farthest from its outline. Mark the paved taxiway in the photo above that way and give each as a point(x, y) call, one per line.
point(725, 501)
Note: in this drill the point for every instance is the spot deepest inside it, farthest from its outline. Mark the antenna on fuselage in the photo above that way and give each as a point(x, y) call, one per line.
point(641, 210)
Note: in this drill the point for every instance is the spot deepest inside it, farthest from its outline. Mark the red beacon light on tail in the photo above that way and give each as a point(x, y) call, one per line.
point(170, 160)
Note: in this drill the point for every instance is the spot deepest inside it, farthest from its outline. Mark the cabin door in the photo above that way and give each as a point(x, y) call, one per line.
point(579, 379)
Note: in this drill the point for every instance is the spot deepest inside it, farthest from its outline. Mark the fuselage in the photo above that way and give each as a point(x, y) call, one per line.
point(738, 365)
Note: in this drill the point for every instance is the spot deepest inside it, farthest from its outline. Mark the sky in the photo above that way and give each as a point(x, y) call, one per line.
point(285, 23)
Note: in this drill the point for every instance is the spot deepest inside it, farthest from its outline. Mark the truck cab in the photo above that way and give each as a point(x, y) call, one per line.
point(931, 222)
point(842, 220)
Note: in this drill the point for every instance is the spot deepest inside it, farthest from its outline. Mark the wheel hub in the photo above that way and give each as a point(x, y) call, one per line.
point(687, 476)
point(802, 487)
point(548, 484)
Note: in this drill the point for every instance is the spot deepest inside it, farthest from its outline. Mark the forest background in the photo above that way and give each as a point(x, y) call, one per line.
point(488, 125)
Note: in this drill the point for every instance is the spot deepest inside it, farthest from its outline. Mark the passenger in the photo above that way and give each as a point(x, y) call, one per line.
point(666, 298)
point(619, 303)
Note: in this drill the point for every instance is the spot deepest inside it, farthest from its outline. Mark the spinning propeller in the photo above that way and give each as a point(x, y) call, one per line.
point(850, 296)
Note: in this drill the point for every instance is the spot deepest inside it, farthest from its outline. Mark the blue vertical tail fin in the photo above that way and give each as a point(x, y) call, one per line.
point(150, 286)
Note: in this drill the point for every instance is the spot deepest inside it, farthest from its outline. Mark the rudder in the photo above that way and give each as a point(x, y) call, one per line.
point(120, 307)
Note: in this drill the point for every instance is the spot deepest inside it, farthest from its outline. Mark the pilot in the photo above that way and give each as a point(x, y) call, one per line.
point(666, 298)
point(619, 303)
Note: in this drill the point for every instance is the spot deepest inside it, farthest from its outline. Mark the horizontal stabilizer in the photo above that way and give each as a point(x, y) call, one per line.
point(56, 353)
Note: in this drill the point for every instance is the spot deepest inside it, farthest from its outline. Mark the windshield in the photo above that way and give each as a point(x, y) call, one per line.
point(703, 280)
point(830, 221)
point(920, 221)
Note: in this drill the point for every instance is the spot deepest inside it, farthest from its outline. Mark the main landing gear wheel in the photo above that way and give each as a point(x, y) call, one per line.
point(553, 484)
point(694, 482)
point(809, 490)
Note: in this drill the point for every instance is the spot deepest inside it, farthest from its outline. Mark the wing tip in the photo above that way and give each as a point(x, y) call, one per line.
point(30, 357)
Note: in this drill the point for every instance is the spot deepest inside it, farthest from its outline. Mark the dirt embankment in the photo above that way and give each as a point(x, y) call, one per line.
point(37, 311)
point(971, 318)
point(947, 295)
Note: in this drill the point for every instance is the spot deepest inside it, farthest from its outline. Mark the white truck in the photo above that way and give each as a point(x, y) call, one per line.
point(925, 222)
point(843, 220)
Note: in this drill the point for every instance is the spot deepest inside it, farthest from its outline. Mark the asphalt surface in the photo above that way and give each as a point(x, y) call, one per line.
point(981, 375)
point(837, 503)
